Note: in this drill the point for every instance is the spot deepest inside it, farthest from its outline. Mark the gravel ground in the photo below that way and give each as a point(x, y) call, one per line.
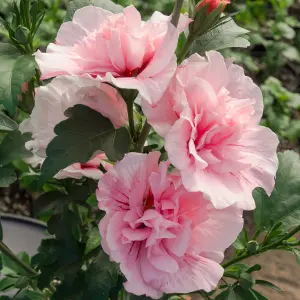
point(15, 200)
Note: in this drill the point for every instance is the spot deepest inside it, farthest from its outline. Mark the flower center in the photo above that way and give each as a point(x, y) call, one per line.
point(149, 201)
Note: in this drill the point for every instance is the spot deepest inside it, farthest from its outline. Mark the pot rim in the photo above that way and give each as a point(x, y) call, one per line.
point(22, 219)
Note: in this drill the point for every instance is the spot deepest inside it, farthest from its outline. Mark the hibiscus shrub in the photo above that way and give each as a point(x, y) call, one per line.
point(144, 153)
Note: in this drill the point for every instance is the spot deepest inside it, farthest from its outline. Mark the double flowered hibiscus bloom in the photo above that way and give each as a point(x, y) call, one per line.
point(167, 230)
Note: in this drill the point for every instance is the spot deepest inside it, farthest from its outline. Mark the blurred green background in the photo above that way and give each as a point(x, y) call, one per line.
point(272, 61)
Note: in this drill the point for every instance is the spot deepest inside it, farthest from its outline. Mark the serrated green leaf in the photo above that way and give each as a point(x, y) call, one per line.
point(284, 203)
point(65, 291)
point(228, 35)
point(13, 147)
point(268, 285)
point(101, 277)
point(93, 241)
point(6, 123)
point(16, 69)
point(7, 177)
point(105, 4)
point(49, 201)
point(92, 201)
point(80, 136)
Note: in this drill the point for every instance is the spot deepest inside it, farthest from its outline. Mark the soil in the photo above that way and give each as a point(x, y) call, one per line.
point(280, 268)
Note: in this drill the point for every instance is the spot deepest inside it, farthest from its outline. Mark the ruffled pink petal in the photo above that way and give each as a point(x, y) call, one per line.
point(176, 144)
point(90, 18)
point(209, 236)
point(243, 87)
point(195, 273)
point(263, 157)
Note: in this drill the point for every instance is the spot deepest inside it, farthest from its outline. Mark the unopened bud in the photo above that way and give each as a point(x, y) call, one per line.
point(213, 4)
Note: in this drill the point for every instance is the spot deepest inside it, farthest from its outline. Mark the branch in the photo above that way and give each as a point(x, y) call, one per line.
point(272, 246)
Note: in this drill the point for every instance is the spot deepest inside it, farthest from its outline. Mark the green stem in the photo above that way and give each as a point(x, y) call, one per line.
point(275, 244)
point(185, 48)
point(139, 146)
point(27, 13)
point(5, 250)
point(38, 77)
point(131, 119)
point(177, 12)
point(257, 234)
point(77, 212)
point(271, 246)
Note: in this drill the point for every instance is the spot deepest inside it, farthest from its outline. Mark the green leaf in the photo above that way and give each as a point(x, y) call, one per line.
point(22, 34)
point(22, 282)
point(254, 268)
point(105, 4)
point(241, 241)
point(1, 232)
point(49, 201)
point(246, 281)
point(7, 177)
point(79, 137)
point(11, 268)
point(268, 285)
point(7, 284)
point(258, 296)
point(296, 251)
point(284, 203)
point(6, 123)
point(92, 201)
point(101, 277)
point(228, 35)
point(242, 294)
point(93, 241)
point(13, 147)
point(128, 296)
point(236, 270)
point(30, 295)
point(229, 294)
point(16, 69)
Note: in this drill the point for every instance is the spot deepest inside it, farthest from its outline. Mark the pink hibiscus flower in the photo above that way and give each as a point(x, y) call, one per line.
point(209, 117)
point(53, 100)
point(119, 48)
point(167, 240)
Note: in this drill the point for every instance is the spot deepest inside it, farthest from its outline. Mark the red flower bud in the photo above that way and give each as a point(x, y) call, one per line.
point(213, 4)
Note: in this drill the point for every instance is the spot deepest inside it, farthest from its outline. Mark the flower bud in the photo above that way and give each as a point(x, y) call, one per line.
point(213, 4)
